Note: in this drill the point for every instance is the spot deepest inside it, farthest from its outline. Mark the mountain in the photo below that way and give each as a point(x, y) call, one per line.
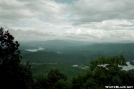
point(63, 54)
point(66, 50)
point(55, 43)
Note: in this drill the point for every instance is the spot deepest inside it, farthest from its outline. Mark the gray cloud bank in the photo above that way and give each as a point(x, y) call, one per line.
point(90, 20)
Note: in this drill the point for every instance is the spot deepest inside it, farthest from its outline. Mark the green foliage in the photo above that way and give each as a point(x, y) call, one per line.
point(111, 63)
point(77, 82)
point(54, 80)
point(41, 83)
point(17, 75)
point(101, 75)
point(55, 75)
point(61, 84)
point(13, 74)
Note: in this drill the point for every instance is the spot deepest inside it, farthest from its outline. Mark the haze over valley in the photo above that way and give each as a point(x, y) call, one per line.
point(66, 44)
point(75, 55)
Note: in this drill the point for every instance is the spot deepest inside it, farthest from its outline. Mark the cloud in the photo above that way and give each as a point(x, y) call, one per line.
point(27, 35)
point(101, 35)
point(103, 20)
point(97, 11)
point(33, 12)
point(12, 10)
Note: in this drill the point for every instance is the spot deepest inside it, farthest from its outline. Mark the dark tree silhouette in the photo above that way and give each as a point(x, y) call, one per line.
point(104, 72)
point(13, 74)
point(54, 80)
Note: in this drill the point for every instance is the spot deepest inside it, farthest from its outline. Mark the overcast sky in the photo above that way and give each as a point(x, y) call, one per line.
point(88, 20)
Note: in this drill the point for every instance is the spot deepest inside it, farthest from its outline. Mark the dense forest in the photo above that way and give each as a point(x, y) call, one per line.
point(16, 72)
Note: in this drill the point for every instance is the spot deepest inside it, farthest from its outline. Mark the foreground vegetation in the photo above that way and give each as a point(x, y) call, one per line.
point(103, 72)
point(14, 74)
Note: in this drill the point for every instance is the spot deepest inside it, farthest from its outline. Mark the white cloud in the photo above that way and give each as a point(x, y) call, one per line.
point(94, 10)
point(102, 20)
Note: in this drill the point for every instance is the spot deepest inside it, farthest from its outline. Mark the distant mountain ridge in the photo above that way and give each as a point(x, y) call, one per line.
point(96, 50)
point(54, 43)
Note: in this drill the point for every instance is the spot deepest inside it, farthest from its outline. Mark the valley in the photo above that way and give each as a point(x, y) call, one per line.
point(72, 58)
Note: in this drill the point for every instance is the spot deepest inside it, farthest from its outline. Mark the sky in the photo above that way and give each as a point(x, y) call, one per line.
point(85, 20)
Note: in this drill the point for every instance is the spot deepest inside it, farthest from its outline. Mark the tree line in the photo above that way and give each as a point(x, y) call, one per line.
point(17, 75)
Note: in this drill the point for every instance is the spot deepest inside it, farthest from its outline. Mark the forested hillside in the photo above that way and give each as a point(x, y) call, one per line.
point(64, 57)
point(75, 67)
